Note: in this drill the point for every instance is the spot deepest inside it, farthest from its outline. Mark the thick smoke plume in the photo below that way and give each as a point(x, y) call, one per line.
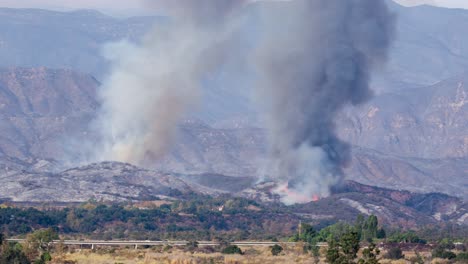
point(316, 57)
point(152, 85)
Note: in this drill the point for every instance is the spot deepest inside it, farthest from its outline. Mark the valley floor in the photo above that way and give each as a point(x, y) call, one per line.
point(260, 255)
point(252, 255)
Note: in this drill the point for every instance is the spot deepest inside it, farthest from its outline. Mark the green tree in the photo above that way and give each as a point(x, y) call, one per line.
point(369, 228)
point(462, 257)
point(38, 242)
point(381, 233)
point(394, 253)
point(440, 252)
point(369, 255)
point(345, 251)
point(359, 224)
point(333, 251)
point(232, 249)
point(349, 243)
point(276, 250)
point(13, 254)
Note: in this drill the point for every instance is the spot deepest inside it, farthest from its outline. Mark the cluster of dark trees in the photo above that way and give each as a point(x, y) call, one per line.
point(365, 229)
point(344, 241)
point(199, 218)
point(35, 249)
point(206, 218)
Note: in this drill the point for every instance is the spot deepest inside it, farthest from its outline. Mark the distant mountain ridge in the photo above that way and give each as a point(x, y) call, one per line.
point(412, 136)
point(427, 122)
point(73, 40)
point(113, 181)
point(43, 110)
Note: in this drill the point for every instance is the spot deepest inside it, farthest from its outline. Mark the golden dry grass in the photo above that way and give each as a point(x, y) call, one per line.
point(257, 255)
point(253, 255)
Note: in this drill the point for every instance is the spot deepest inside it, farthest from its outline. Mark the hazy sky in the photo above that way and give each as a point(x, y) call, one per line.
point(136, 4)
point(445, 3)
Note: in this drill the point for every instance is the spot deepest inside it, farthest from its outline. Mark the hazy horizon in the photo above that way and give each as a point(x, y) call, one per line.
point(132, 7)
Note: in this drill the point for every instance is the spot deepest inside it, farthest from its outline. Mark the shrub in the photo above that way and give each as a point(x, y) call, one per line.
point(394, 253)
point(232, 249)
point(463, 257)
point(276, 250)
point(46, 257)
point(13, 255)
point(440, 252)
point(418, 259)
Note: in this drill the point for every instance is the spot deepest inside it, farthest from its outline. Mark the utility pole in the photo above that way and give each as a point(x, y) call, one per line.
point(300, 228)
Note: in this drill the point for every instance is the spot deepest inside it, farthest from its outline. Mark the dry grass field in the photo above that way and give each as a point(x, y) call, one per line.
point(252, 255)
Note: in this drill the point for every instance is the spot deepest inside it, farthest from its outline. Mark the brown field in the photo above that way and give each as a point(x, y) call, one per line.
point(252, 255)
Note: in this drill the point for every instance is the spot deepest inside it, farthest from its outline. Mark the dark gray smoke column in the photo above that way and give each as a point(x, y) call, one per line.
point(316, 57)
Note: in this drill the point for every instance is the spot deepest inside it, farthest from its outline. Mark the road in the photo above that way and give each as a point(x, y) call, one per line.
point(138, 243)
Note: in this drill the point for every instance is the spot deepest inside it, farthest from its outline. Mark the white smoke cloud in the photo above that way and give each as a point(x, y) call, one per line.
point(152, 85)
point(314, 57)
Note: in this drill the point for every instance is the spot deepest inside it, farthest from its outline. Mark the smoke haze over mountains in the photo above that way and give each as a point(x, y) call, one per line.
point(310, 64)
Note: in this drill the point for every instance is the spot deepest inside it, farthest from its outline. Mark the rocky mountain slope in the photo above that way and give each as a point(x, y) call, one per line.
point(412, 136)
point(428, 122)
point(399, 208)
point(112, 181)
point(45, 112)
point(106, 181)
point(430, 46)
point(73, 40)
point(446, 175)
point(39, 106)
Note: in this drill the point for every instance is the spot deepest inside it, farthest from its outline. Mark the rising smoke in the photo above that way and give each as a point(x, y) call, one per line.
point(152, 85)
point(316, 57)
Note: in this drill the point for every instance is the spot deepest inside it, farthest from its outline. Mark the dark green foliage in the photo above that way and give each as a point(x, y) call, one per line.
point(349, 243)
point(45, 257)
point(336, 231)
point(394, 253)
point(345, 251)
point(333, 252)
point(381, 233)
point(463, 257)
point(276, 250)
point(306, 233)
point(12, 254)
point(197, 218)
point(367, 229)
point(369, 255)
point(232, 249)
point(440, 252)
point(446, 244)
point(406, 237)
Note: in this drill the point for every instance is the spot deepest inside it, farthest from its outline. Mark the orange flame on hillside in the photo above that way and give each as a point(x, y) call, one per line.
point(286, 193)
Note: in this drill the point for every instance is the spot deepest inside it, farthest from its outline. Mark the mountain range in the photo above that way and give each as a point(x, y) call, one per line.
point(411, 137)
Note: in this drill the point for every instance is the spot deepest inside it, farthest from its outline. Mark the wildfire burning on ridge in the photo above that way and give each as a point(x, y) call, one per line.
point(287, 193)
